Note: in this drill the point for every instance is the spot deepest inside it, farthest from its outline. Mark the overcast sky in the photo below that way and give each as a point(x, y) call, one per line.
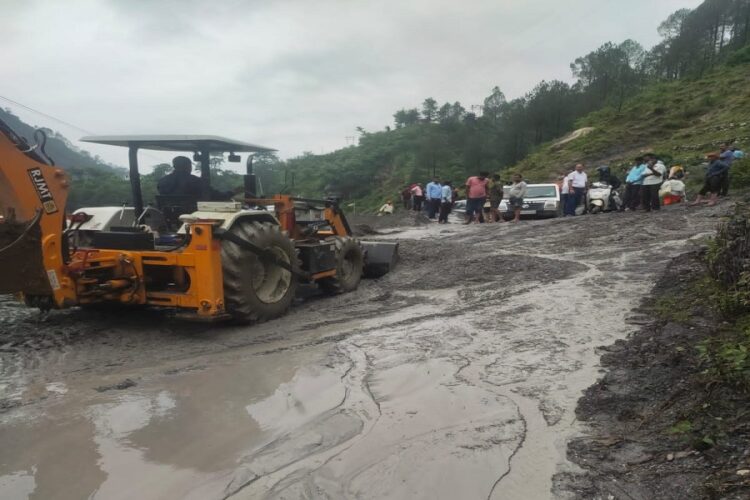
point(296, 75)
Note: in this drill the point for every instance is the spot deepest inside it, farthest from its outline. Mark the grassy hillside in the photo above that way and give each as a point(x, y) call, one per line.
point(679, 120)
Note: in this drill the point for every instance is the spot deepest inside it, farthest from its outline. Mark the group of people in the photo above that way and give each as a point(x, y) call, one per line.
point(483, 194)
point(437, 198)
point(649, 184)
point(716, 182)
point(646, 181)
point(483, 191)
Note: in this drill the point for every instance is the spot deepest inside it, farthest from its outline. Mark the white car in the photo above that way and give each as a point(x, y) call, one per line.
point(541, 200)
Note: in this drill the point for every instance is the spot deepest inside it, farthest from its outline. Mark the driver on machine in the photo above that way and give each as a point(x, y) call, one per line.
point(182, 183)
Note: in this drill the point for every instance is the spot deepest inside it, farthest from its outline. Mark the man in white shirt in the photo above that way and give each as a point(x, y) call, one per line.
point(653, 176)
point(578, 183)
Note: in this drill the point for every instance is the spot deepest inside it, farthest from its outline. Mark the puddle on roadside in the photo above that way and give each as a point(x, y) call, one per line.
point(296, 402)
point(19, 484)
point(179, 441)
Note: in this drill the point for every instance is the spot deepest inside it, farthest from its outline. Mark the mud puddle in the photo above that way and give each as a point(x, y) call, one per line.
point(454, 377)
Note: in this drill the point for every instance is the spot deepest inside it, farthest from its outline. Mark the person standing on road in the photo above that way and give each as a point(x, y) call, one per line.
point(446, 202)
point(653, 176)
point(716, 170)
point(476, 195)
point(417, 197)
point(496, 196)
point(564, 187)
point(633, 183)
point(517, 193)
point(433, 193)
point(578, 183)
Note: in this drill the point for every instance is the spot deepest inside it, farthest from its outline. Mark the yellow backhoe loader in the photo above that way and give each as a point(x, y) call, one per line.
point(204, 259)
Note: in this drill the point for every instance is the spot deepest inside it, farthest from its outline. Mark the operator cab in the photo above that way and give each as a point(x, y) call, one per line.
point(110, 227)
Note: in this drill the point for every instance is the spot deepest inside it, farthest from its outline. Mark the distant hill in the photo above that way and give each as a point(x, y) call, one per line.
point(59, 148)
point(93, 181)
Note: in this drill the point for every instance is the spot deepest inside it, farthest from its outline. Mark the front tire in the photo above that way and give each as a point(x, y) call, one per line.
point(350, 263)
point(256, 289)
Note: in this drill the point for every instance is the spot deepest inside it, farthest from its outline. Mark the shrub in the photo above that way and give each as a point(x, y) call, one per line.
point(741, 173)
point(738, 57)
point(727, 358)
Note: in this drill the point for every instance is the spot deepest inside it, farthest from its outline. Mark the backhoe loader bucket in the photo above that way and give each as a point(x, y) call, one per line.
point(380, 258)
point(21, 264)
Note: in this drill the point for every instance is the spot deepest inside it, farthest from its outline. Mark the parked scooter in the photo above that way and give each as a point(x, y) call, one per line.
point(601, 197)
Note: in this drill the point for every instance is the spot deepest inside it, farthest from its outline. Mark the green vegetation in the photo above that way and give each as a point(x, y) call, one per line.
point(670, 309)
point(726, 356)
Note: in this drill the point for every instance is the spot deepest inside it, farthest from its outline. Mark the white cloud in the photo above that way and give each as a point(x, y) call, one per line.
point(294, 75)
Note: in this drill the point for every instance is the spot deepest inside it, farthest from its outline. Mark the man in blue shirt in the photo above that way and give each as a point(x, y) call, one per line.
point(446, 202)
point(633, 185)
point(434, 193)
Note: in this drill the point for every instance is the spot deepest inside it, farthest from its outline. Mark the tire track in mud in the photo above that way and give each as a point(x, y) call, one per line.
point(358, 401)
point(460, 312)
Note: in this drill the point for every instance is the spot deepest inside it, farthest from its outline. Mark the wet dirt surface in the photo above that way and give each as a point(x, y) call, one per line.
point(456, 376)
point(655, 382)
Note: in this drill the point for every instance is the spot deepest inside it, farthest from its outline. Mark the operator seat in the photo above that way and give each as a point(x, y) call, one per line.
point(172, 206)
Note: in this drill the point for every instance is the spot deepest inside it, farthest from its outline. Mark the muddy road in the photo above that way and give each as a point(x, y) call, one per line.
point(454, 377)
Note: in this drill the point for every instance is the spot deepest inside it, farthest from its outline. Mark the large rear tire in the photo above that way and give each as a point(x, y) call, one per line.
point(257, 289)
point(350, 262)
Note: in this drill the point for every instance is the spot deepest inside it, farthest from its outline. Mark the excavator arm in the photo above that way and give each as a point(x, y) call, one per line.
point(33, 194)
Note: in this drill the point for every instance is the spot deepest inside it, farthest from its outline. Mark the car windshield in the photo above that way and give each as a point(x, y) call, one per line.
point(541, 192)
point(535, 191)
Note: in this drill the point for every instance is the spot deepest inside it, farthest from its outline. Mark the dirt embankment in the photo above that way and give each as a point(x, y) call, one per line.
point(659, 427)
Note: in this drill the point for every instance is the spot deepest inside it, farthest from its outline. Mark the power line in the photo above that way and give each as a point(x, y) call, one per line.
point(46, 115)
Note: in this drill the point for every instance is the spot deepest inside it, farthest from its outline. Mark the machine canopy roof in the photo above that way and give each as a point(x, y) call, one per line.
point(210, 143)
